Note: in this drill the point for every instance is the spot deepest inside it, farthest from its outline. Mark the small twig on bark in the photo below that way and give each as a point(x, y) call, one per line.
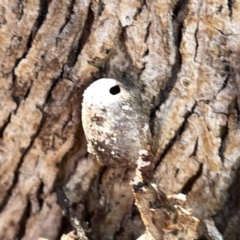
point(70, 213)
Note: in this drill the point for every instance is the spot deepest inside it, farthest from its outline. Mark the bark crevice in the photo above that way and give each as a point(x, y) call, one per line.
point(68, 15)
point(192, 180)
point(3, 127)
point(43, 11)
point(176, 137)
point(83, 39)
point(23, 221)
point(230, 6)
point(15, 180)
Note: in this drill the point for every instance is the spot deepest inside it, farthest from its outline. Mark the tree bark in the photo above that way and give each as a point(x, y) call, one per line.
point(182, 57)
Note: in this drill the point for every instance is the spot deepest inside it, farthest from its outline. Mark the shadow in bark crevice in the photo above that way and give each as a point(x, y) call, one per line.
point(101, 7)
point(230, 6)
point(194, 153)
point(43, 11)
point(181, 9)
point(23, 221)
point(169, 84)
point(191, 181)
point(148, 32)
point(225, 83)
point(3, 127)
point(177, 135)
point(83, 39)
point(68, 15)
point(139, 11)
point(39, 195)
point(65, 227)
point(223, 137)
point(231, 205)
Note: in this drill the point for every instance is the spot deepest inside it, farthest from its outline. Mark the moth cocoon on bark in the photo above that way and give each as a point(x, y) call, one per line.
point(114, 122)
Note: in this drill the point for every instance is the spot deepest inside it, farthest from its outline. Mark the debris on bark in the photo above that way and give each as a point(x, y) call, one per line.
point(70, 213)
point(163, 216)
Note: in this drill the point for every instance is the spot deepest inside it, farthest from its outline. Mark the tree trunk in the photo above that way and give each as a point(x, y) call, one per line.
point(182, 57)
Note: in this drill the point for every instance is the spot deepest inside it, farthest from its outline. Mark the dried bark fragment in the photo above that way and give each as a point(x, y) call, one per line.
point(163, 216)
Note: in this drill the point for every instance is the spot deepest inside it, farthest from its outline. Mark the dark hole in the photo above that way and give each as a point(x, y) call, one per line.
point(114, 90)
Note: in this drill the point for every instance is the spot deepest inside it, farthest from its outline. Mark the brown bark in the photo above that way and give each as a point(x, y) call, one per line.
point(181, 56)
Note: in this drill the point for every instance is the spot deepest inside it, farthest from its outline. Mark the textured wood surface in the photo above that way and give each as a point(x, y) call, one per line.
point(183, 59)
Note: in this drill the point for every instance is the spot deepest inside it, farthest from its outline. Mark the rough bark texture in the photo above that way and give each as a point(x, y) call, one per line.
point(182, 57)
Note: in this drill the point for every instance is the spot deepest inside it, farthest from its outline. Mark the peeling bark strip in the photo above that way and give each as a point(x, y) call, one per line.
point(163, 216)
point(181, 57)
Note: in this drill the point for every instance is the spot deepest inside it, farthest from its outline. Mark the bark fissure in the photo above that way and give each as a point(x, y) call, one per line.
point(176, 172)
point(69, 119)
point(39, 195)
point(194, 153)
point(224, 34)
point(101, 174)
point(68, 15)
point(19, 164)
point(101, 7)
point(196, 32)
point(176, 137)
point(178, 8)
point(87, 28)
point(223, 136)
point(145, 53)
point(224, 83)
point(25, 96)
point(176, 67)
point(230, 5)
point(3, 127)
point(23, 221)
point(83, 39)
point(191, 181)
point(18, 99)
point(148, 32)
point(139, 11)
point(43, 11)
point(49, 94)
point(196, 40)
point(230, 210)
point(237, 108)
point(170, 83)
